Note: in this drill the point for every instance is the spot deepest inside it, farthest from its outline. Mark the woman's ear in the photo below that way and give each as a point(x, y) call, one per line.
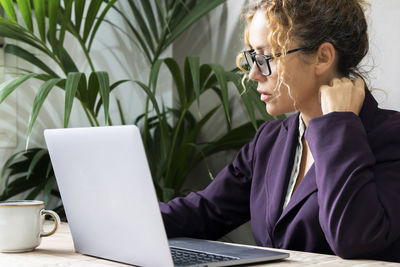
point(325, 59)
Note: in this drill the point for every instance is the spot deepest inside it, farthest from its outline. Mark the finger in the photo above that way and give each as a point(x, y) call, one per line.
point(344, 79)
point(334, 81)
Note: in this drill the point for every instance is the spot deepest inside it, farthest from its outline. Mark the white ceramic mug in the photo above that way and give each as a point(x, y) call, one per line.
point(21, 224)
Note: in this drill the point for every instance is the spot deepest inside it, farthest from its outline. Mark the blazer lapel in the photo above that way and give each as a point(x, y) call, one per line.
point(306, 187)
point(279, 168)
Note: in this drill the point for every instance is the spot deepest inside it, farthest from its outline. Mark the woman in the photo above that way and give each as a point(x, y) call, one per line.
point(326, 179)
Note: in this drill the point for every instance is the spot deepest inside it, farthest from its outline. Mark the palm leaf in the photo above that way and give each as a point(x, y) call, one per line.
point(71, 87)
point(202, 8)
point(7, 87)
point(39, 6)
point(148, 10)
point(35, 161)
point(66, 17)
point(234, 139)
point(38, 102)
point(99, 21)
point(104, 87)
point(90, 17)
point(53, 6)
point(25, 9)
point(14, 31)
point(178, 79)
point(79, 8)
point(194, 66)
point(142, 25)
point(29, 57)
point(249, 105)
point(8, 6)
point(222, 82)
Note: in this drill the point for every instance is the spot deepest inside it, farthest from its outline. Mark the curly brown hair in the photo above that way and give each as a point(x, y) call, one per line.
point(310, 23)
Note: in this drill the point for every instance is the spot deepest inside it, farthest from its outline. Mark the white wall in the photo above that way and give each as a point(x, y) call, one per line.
point(384, 24)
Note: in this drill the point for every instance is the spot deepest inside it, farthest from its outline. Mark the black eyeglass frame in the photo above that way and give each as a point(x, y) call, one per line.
point(267, 58)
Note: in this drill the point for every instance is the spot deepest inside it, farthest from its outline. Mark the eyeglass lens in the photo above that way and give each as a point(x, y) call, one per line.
point(261, 62)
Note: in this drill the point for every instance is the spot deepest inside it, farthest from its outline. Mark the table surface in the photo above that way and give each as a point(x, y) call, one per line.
point(58, 250)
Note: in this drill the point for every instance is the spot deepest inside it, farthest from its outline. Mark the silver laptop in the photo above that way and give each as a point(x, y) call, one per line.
point(111, 205)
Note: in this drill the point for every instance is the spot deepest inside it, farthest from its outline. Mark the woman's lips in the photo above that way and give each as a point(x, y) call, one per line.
point(266, 97)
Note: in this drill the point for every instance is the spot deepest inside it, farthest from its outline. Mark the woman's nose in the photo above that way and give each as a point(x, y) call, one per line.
point(255, 74)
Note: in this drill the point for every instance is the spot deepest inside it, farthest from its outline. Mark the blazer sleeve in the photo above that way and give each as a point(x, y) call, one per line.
point(218, 209)
point(358, 195)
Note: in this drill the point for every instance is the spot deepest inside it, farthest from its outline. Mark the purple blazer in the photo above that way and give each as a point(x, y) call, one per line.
point(348, 203)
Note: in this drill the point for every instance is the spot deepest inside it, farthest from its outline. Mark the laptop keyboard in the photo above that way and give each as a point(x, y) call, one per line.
point(184, 257)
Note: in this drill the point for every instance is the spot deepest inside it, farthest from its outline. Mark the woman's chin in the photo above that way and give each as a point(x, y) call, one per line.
point(275, 110)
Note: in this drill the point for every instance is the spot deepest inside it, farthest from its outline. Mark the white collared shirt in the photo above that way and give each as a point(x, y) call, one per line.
point(296, 164)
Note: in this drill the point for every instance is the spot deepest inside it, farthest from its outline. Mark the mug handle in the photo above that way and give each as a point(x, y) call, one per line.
point(56, 219)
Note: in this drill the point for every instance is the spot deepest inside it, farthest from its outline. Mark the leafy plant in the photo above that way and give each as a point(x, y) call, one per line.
point(173, 149)
point(170, 134)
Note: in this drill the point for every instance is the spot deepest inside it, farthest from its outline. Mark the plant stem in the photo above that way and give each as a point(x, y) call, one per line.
point(94, 118)
point(87, 114)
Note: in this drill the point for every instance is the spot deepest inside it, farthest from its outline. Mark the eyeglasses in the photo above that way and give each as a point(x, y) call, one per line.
point(262, 61)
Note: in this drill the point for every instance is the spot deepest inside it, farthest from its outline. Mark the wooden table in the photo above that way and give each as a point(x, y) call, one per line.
point(58, 250)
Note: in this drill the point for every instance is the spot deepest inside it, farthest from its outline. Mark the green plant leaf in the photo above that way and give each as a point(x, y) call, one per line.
point(29, 57)
point(249, 105)
point(188, 81)
point(37, 104)
point(14, 31)
point(234, 139)
point(205, 72)
point(121, 113)
point(93, 90)
point(202, 8)
point(79, 8)
point(142, 25)
point(65, 19)
point(168, 194)
point(53, 7)
point(67, 62)
point(90, 17)
point(142, 43)
point(71, 87)
point(148, 10)
point(117, 83)
point(178, 79)
point(151, 96)
point(26, 12)
point(8, 6)
point(165, 138)
point(104, 87)
point(39, 6)
point(155, 69)
point(9, 161)
point(223, 85)
point(47, 189)
point(19, 186)
point(194, 65)
point(185, 153)
point(160, 12)
point(34, 162)
point(35, 192)
point(99, 21)
point(7, 87)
